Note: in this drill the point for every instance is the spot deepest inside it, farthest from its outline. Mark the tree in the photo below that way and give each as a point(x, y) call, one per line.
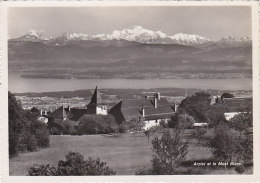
point(73, 165)
point(25, 132)
point(181, 120)
point(169, 151)
point(227, 95)
point(196, 106)
point(241, 121)
point(227, 144)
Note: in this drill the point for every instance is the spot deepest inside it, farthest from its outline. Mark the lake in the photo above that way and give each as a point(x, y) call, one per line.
point(19, 85)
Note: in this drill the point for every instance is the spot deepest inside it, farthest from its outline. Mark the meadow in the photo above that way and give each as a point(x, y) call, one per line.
point(124, 153)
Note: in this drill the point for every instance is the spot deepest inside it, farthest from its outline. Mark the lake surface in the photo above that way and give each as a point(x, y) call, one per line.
point(17, 84)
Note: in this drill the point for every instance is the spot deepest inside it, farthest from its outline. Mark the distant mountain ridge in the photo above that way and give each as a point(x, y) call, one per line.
point(133, 34)
point(134, 53)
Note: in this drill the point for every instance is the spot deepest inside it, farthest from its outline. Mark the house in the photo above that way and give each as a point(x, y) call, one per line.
point(95, 106)
point(150, 110)
point(233, 106)
point(39, 114)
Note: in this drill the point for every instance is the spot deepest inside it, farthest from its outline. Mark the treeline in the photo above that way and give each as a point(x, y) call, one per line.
point(87, 125)
point(93, 124)
point(25, 132)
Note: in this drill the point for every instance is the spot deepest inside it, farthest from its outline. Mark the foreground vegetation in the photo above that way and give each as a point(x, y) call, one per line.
point(26, 133)
point(174, 147)
point(73, 165)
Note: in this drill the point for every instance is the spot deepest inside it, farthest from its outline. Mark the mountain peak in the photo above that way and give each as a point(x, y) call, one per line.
point(135, 33)
point(235, 39)
point(189, 39)
point(33, 35)
point(74, 36)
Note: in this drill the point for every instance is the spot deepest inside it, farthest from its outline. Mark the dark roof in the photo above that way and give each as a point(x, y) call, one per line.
point(159, 116)
point(134, 103)
point(132, 108)
point(59, 113)
point(237, 104)
point(77, 113)
point(96, 98)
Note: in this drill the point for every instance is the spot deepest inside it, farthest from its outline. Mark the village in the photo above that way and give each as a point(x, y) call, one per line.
point(151, 109)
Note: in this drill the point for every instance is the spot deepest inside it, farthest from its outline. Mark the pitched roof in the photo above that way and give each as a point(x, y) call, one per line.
point(59, 113)
point(132, 108)
point(134, 103)
point(237, 104)
point(77, 113)
point(96, 98)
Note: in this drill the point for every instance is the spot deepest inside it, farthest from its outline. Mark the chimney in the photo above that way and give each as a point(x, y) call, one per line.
point(69, 108)
point(143, 112)
point(155, 102)
point(158, 96)
point(175, 107)
point(41, 112)
point(45, 112)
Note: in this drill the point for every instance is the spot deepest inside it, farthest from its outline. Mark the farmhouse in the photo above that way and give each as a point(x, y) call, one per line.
point(151, 110)
point(95, 106)
point(233, 106)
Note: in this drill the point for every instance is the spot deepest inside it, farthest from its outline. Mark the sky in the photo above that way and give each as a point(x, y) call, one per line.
point(211, 22)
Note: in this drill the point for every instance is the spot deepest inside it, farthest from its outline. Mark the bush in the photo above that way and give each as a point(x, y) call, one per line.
point(97, 124)
point(69, 128)
point(73, 165)
point(199, 133)
point(40, 170)
point(240, 169)
point(179, 120)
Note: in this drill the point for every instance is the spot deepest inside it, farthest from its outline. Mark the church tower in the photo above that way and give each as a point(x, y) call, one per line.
point(96, 105)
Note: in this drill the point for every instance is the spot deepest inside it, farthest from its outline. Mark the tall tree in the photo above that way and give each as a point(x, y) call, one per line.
point(169, 151)
point(196, 106)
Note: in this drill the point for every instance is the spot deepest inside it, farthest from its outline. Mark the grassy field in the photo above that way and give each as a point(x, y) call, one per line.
point(124, 153)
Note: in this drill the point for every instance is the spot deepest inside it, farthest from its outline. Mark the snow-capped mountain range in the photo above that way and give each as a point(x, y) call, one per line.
point(133, 34)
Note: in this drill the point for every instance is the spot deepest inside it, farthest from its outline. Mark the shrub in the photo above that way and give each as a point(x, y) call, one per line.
point(199, 133)
point(40, 170)
point(73, 165)
point(97, 124)
point(56, 128)
point(240, 169)
point(180, 120)
point(69, 128)
point(31, 143)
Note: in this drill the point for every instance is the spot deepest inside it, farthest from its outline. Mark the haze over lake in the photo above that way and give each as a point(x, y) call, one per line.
point(18, 84)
